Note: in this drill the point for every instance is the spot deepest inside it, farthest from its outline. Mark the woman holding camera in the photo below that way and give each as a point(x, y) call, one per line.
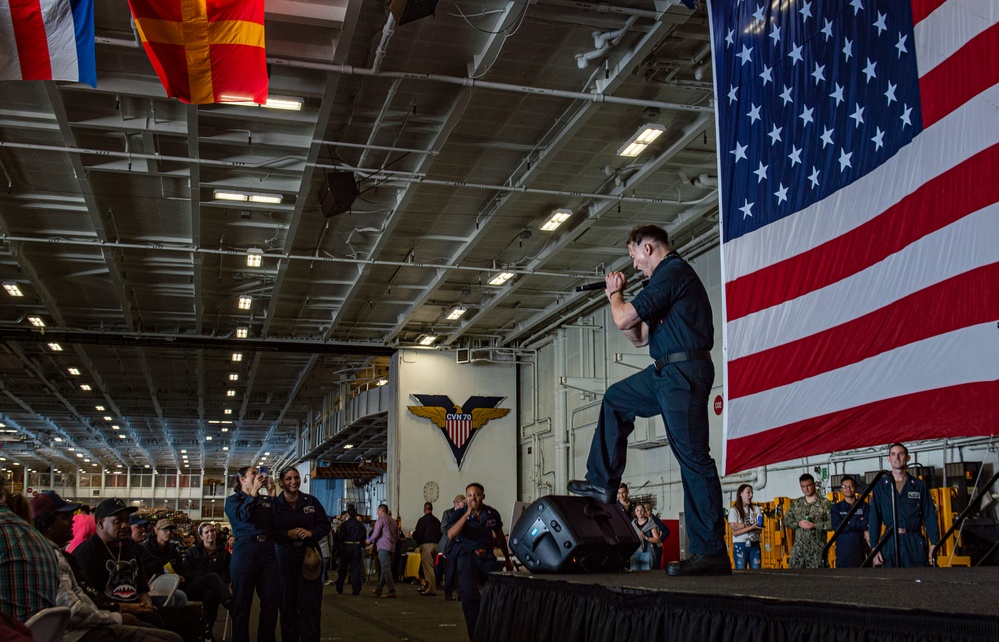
point(254, 564)
point(301, 524)
point(746, 520)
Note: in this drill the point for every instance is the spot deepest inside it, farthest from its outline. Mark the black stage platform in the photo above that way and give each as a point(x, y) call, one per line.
point(834, 605)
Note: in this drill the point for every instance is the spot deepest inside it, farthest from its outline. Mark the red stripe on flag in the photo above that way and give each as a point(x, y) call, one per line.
point(232, 73)
point(170, 10)
point(960, 302)
point(936, 204)
point(971, 410)
point(923, 8)
point(31, 41)
point(249, 10)
point(968, 72)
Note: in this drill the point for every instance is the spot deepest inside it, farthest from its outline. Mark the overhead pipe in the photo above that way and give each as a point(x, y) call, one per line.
point(350, 70)
point(602, 42)
point(95, 243)
point(409, 177)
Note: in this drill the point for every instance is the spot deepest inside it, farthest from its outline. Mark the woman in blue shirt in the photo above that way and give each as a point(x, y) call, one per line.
point(301, 524)
point(254, 564)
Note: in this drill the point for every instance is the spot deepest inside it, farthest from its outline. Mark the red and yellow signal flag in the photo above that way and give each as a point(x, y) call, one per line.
point(205, 51)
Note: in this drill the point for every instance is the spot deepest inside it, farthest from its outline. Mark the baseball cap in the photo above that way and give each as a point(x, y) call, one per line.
point(165, 524)
point(312, 564)
point(138, 520)
point(112, 506)
point(48, 502)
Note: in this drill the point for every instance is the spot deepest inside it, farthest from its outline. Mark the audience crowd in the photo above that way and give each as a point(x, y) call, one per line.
point(103, 563)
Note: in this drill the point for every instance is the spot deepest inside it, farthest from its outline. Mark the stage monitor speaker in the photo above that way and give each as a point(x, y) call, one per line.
point(410, 10)
point(337, 193)
point(568, 534)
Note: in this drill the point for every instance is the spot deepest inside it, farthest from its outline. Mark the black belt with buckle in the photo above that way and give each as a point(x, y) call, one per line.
point(693, 355)
point(257, 538)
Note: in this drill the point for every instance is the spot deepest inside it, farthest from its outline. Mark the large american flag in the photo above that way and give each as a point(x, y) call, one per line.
point(859, 159)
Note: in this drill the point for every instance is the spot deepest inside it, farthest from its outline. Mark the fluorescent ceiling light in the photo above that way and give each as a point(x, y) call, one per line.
point(38, 322)
point(348, 446)
point(225, 430)
point(115, 427)
point(501, 278)
point(85, 387)
point(237, 356)
point(245, 302)
point(121, 436)
point(208, 437)
point(230, 393)
point(242, 333)
point(73, 371)
point(456, 313)
point(99, 408)
point(225, 447)
point(55, 347)
point(227, 411)
point(254, 257)
point(427, 339)
point(58, 439)
point(233, 376)
point(557, 217)
point(287, 103)
point(224, 195)
point(270, 199)
point(12, 289)
point(108, 418)
point(642, 139)
point(381, 382)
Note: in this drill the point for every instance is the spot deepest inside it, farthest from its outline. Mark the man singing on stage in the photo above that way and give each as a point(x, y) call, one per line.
point(672, 315)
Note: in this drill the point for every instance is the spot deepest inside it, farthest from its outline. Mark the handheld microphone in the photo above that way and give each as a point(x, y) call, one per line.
point(596, 285)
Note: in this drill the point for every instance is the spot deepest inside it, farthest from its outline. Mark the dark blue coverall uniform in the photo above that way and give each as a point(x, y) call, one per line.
point(476, 560)
point(915, 510)
point(676, 308)
point(254, 565)
point(851, 547)
point(350, 536)
point(301, 599)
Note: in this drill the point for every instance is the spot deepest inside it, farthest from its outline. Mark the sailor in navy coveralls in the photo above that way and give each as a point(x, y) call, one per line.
point(476, 529)
point(851, 545)
point(915, 510)
point(672, 315)
point(254, 564)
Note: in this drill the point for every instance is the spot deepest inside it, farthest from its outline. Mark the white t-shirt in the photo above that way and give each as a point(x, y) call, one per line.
point(752, 516)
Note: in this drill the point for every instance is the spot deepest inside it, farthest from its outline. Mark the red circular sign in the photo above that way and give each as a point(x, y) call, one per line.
point(30, 490)
point(719, 405)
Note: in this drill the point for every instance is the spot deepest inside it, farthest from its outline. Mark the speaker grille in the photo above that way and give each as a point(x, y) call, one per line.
point(337, 193)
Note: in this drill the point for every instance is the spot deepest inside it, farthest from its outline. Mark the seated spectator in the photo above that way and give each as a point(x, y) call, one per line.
point(29, 569)
point(206, 571)
point(111, 560)
point(140, 528)
point(164, 557)
point(88, 623)
point(83, 528)
point(649, 534)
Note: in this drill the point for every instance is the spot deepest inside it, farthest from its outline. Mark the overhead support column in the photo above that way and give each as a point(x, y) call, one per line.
point(561, 413)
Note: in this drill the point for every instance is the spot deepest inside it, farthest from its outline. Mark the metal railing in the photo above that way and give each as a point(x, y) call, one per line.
point(959, 522)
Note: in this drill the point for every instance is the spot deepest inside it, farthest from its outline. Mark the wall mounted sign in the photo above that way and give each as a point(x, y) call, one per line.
point(458, 423)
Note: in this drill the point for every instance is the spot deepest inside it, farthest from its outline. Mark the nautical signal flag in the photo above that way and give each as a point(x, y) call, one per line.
point(205, 51)
point(858, 147)
point(47, 40)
